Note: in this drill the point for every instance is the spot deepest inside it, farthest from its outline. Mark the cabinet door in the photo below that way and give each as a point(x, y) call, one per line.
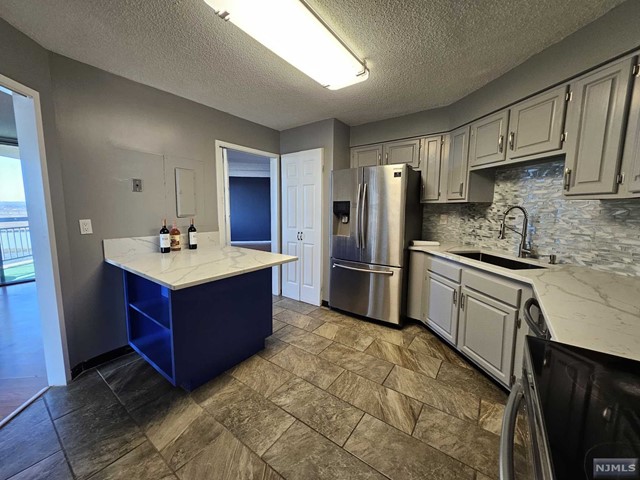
point(403, 151)
point(430, 168)
point(368, 156)
point(535, 125)
point(441, 306)
point(487, 333)
point(595, 126)
point(631, 155)
point(415, 290)
point(487, 139)
point(457, 163)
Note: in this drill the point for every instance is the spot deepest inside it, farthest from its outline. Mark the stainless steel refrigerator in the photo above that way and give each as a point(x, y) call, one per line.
point(376, 213)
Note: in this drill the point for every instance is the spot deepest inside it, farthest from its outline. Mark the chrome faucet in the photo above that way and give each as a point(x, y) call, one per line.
point(523, 251)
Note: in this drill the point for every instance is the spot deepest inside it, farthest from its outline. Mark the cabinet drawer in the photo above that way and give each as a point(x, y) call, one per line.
point(444, 268)
point(501, 289)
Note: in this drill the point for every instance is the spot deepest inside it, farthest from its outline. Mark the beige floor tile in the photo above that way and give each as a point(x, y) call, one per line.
point(312, 368)
point(429, 345)
point(261, 375)
point(277, 325)
point(302, 339)
point(459, 439)
point(449, 399)
point(416, 361)
point(302, 453)
point(472, 381)
point(325, 413)
point(295, 306)
point(400, 456)
point(272, 346)
point(388, 405)
point(299, 320)
point(364, 365)
point(345, 336)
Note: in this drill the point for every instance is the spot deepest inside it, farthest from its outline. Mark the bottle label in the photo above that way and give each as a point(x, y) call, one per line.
point(175, 242)
point(193, 238)
point(165, 241)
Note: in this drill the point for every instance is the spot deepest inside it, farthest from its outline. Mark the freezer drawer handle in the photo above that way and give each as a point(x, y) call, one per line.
point(508, 431)
point(364, 270)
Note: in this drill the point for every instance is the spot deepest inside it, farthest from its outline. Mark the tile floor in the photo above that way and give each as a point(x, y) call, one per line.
point(22, 368)
point(330, 397)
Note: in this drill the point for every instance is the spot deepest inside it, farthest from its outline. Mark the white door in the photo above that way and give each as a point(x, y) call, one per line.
point(302, 225)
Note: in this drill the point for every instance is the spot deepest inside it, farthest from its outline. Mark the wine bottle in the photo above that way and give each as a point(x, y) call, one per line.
point(193, 236)
point(175, 238)
point(165, 241)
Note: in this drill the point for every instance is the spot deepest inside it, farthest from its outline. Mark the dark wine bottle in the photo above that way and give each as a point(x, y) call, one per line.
point(165, 241)
point(193, 236)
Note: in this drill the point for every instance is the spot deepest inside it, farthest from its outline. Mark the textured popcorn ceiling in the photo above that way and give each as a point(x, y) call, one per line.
point(422, 53)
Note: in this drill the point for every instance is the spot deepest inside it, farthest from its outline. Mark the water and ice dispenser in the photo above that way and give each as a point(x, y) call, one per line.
point(341, 218)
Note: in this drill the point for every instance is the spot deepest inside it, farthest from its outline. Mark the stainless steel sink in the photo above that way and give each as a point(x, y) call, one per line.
point(499, 261)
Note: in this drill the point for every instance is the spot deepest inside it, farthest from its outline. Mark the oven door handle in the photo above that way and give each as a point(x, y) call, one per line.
point(538, 327)
point(507, 437)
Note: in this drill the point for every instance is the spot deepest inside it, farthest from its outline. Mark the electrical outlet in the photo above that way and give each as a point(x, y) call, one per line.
point(85, 227)
point(137, 184)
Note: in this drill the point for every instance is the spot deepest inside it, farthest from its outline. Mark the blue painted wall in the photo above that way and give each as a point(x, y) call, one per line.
point(250, 200)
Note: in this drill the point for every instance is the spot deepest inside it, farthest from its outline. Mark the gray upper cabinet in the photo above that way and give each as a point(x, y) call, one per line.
point(367, 156)
point(457, 163)
point(536, 125)
point(487, 139)
point(431, 168)
point(631, 155)
point(595, 127)
point(402, 151)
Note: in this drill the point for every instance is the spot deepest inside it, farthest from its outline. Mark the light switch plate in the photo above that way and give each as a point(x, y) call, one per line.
point(137, 184)
point(85, 227)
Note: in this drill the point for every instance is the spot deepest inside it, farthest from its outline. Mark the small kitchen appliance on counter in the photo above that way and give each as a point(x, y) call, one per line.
point(580, 419)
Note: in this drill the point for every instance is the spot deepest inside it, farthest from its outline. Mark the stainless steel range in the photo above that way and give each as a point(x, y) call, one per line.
point(376, 212)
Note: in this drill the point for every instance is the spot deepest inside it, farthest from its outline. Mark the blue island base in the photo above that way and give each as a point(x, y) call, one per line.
point(194, 334)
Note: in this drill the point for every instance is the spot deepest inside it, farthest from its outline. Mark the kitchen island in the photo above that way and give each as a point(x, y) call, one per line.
point(193, 314)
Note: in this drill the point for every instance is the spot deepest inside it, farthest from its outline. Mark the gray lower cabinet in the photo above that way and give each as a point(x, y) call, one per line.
point(441, 309)
point(431, 171)
point(486, 333)
point(487, 139)
point(415, 284)
point(402, 151)
point(367, 156)
point(536, 124)
point(595, 127)
point(457, 163)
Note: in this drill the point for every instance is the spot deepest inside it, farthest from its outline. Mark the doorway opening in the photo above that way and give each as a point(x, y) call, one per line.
point(248, 183)
point(33, 350)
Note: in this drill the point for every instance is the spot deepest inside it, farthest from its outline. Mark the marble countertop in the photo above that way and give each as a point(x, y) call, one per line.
point(187, 268)
point(582, 306)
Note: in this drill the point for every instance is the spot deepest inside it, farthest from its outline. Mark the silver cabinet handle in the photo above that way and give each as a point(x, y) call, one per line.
point(507, 436)
point(567, 178)
point(501, 143)
point(512, 137)
point(462, 301)
point(455, 297)
point(386, 158)
point(358, 217)
point(461, 188)
point(364, 270)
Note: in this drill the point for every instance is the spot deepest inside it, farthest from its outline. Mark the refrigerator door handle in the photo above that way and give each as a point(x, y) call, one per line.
point(358, 217)
point(363, 235)
point(364, 270)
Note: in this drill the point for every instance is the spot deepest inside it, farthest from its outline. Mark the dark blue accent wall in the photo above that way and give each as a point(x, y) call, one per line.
point(250, 200)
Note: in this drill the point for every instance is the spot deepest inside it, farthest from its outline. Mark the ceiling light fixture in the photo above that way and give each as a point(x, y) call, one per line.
point(294, 32)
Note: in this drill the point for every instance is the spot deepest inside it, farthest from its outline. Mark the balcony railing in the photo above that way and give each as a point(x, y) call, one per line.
point(16, 254)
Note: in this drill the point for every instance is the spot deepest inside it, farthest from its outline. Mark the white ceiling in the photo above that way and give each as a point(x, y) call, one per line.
point(422, 53)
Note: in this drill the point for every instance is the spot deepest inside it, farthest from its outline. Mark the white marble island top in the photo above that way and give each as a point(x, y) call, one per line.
point(582, 306)
point(187, 268)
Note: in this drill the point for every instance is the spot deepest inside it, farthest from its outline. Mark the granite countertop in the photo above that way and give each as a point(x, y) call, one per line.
point(187, 268)
point(582, 306)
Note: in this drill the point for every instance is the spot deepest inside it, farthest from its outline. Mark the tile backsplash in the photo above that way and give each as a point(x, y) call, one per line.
point(599, 234)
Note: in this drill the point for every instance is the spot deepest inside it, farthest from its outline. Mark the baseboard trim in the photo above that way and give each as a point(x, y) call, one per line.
point(99, 360)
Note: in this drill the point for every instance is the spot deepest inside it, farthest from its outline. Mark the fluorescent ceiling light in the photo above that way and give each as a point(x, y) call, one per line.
point(292, 31)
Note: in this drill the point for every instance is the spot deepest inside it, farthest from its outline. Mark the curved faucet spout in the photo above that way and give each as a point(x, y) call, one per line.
point(523, 251)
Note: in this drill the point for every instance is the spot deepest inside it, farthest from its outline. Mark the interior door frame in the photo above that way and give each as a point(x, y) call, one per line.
point(45, 251)
point(222, 184)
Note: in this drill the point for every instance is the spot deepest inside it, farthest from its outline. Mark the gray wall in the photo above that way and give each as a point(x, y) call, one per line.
point(611, 35)
point(110, 129)
point(598, 234)
point(332, 135)
point(26, 62)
